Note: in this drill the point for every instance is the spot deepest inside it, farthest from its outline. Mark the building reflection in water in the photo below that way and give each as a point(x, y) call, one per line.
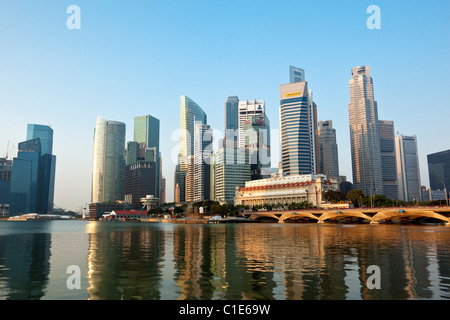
point(258, 261)
point(24, 262)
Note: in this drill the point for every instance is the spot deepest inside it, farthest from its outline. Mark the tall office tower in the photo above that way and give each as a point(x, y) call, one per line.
point(257, 145)
point(408, 168)
point(232, 170)
point(328, 149)
point(212, 177)
point(190, 113)
point(364, 133)
point(388, 161)
point(163, 190)
point(47, 167)
point(232, 117)
point(146, 130)
point(139, 181)
point(203, 148)
point(248, 109)
point(298, 124)
point(296, 74)
point(108, 166)
point(24, 177)
point(439, 170)
point(5, 185)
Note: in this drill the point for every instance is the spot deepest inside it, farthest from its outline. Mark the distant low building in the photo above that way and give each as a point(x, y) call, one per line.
point(285, 190)
point(97, 209)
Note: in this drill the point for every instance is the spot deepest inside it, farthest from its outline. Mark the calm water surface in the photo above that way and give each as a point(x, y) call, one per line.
point(126, 260)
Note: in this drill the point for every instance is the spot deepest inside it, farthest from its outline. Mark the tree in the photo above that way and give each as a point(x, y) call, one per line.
point(356, 197)
point(334, 196)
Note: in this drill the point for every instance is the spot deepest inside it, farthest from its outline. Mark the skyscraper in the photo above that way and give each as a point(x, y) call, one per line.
point(203, 137)
point(408, 168)
point(190, 114)
point(248, 109)
point(108, 161)
point(232, 117)
point(47, 167)
point(257, 145)
point(328, 150)
point(24, 177)
point(298, 124)
point(388, 161)
point(364, 133)
point(296, 74)
point(439, 170)
point(146, 134)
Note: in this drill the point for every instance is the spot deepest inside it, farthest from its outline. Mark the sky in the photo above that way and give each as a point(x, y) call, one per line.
point(132, 58)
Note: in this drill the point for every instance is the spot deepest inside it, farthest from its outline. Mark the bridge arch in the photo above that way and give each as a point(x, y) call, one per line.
point(347, 215)
point(407, 215)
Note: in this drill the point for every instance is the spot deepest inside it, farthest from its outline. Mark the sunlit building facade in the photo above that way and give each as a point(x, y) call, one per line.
point(108, 166)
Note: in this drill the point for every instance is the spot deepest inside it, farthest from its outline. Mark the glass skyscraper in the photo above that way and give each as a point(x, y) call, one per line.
point(232, 117)
point(190, 114)
point(47, 167)
point(408, 168)
point(257, 145)
point(439, 170)
point(328, 149)
point(24, 177)
point(364, 133)
point(108, 161)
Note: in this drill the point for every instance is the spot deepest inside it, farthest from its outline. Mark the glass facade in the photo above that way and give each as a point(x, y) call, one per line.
point(44, 133)
point(257, 144)
point(439, 170)
point(232, 116)
point(108, 161)
point(24, 177)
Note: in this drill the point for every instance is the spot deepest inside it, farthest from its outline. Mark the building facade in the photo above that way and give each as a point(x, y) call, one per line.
point(388, 159)
point(285, 190)
point(108, 167)
point(409, 186)
point(257, 145)
point(248, 109)
point(439, 170)
point(298, 126)
point(190, 114)
point(139, 181)
point(364, 133)
point(232, 117)
point(328, 149)
point(5, 181)
point(231, 170)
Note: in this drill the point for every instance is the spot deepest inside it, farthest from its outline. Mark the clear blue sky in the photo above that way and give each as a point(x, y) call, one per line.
point(137, 57)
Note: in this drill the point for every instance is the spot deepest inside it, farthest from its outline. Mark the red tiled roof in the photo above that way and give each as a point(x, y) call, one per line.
point(129, 212)
point(280, 186)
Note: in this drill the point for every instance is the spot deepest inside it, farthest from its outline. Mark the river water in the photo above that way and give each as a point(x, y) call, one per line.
point(81, 260)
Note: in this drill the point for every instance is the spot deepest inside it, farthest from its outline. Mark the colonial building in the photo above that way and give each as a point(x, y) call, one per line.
point(285, 190)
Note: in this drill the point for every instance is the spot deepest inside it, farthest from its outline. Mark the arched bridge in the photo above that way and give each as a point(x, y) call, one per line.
point(372, 216)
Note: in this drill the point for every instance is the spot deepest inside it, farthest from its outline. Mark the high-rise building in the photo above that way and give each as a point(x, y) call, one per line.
point(296, 74)
point(388, 160)
point(146, 131)
point(203, 148)
point(190, 114)
point(408, 170)
point(139, 181)
point(163, 190)
point(248, 109)
point(232, 117)
point(328, 149)
point(257, 145)
point(47, 167)
point(439, 171)
point(24, 177)
point(232, 170)
point(108, 166)
point(298, 124)
point(5, 182)
point(364, 133)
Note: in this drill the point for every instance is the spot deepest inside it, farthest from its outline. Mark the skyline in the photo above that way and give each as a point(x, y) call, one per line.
point(129, 61)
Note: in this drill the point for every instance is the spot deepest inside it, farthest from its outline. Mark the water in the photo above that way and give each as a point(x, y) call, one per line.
point(128, 260)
